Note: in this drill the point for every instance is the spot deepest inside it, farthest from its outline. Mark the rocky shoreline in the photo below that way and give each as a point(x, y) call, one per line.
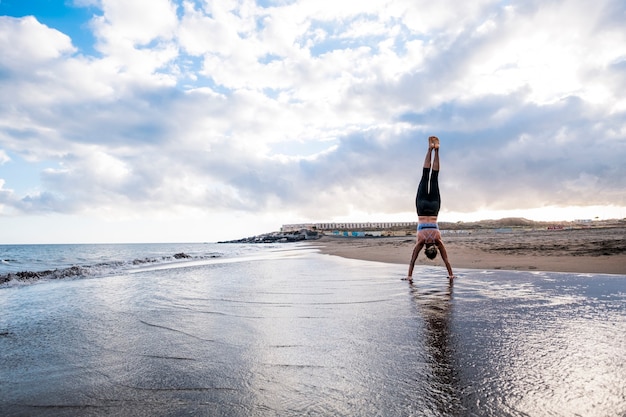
point(278, 237)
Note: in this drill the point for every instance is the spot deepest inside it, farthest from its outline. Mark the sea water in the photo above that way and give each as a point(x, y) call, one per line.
point(25, 264)
point(237, 330)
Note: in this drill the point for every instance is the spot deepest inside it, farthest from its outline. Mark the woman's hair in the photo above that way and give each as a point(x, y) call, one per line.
point(431, 251)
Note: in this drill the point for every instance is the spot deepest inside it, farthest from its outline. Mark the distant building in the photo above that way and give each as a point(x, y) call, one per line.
point(369, 228)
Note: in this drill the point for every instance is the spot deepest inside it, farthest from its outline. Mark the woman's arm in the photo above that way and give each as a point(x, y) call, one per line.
point(418, 247)
point(444, 256)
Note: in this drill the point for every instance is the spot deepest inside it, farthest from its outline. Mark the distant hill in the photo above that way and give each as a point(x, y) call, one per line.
point(520, 222)
point(495, 224)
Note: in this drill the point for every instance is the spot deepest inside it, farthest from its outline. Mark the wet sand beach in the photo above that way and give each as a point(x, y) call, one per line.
point(290, 332)
point(592, 250)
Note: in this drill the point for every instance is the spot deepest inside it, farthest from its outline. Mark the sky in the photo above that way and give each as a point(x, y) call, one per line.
point(200, 120)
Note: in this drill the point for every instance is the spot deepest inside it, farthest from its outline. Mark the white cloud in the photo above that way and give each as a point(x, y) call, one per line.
point(30, 43)
point(442, 18)
point(552, 50)
point(138, 22)
point(4, 158)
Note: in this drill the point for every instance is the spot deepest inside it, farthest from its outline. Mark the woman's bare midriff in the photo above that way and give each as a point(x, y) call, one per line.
point(427, 219)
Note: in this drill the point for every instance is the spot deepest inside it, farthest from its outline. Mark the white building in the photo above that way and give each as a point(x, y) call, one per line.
point(347, 226)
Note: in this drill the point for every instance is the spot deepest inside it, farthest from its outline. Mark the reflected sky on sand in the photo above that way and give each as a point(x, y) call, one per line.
point(304, 333)
point(543, 343)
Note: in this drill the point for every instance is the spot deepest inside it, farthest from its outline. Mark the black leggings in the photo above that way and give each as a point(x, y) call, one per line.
point(428, 200)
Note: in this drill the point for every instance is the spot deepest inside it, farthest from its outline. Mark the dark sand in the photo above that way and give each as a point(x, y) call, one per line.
point(592, 250)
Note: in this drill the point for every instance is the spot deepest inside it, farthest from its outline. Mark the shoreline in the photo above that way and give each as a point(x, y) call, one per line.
point(600, 251)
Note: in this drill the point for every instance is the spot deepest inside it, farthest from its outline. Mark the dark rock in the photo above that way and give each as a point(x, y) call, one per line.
point(278, 237)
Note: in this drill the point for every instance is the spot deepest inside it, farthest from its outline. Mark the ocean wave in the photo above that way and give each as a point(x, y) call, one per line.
point(96, 270)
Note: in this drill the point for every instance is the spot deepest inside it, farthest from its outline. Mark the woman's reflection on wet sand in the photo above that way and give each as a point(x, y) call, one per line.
point(436, 306)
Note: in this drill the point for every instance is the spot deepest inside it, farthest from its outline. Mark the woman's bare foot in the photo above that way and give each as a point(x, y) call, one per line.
point(433, 142)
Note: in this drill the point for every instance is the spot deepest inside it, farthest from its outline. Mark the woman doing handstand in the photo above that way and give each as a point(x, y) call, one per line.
point(428, 202)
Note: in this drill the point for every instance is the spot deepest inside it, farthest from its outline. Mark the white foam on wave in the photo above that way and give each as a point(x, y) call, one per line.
point(21, 278)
